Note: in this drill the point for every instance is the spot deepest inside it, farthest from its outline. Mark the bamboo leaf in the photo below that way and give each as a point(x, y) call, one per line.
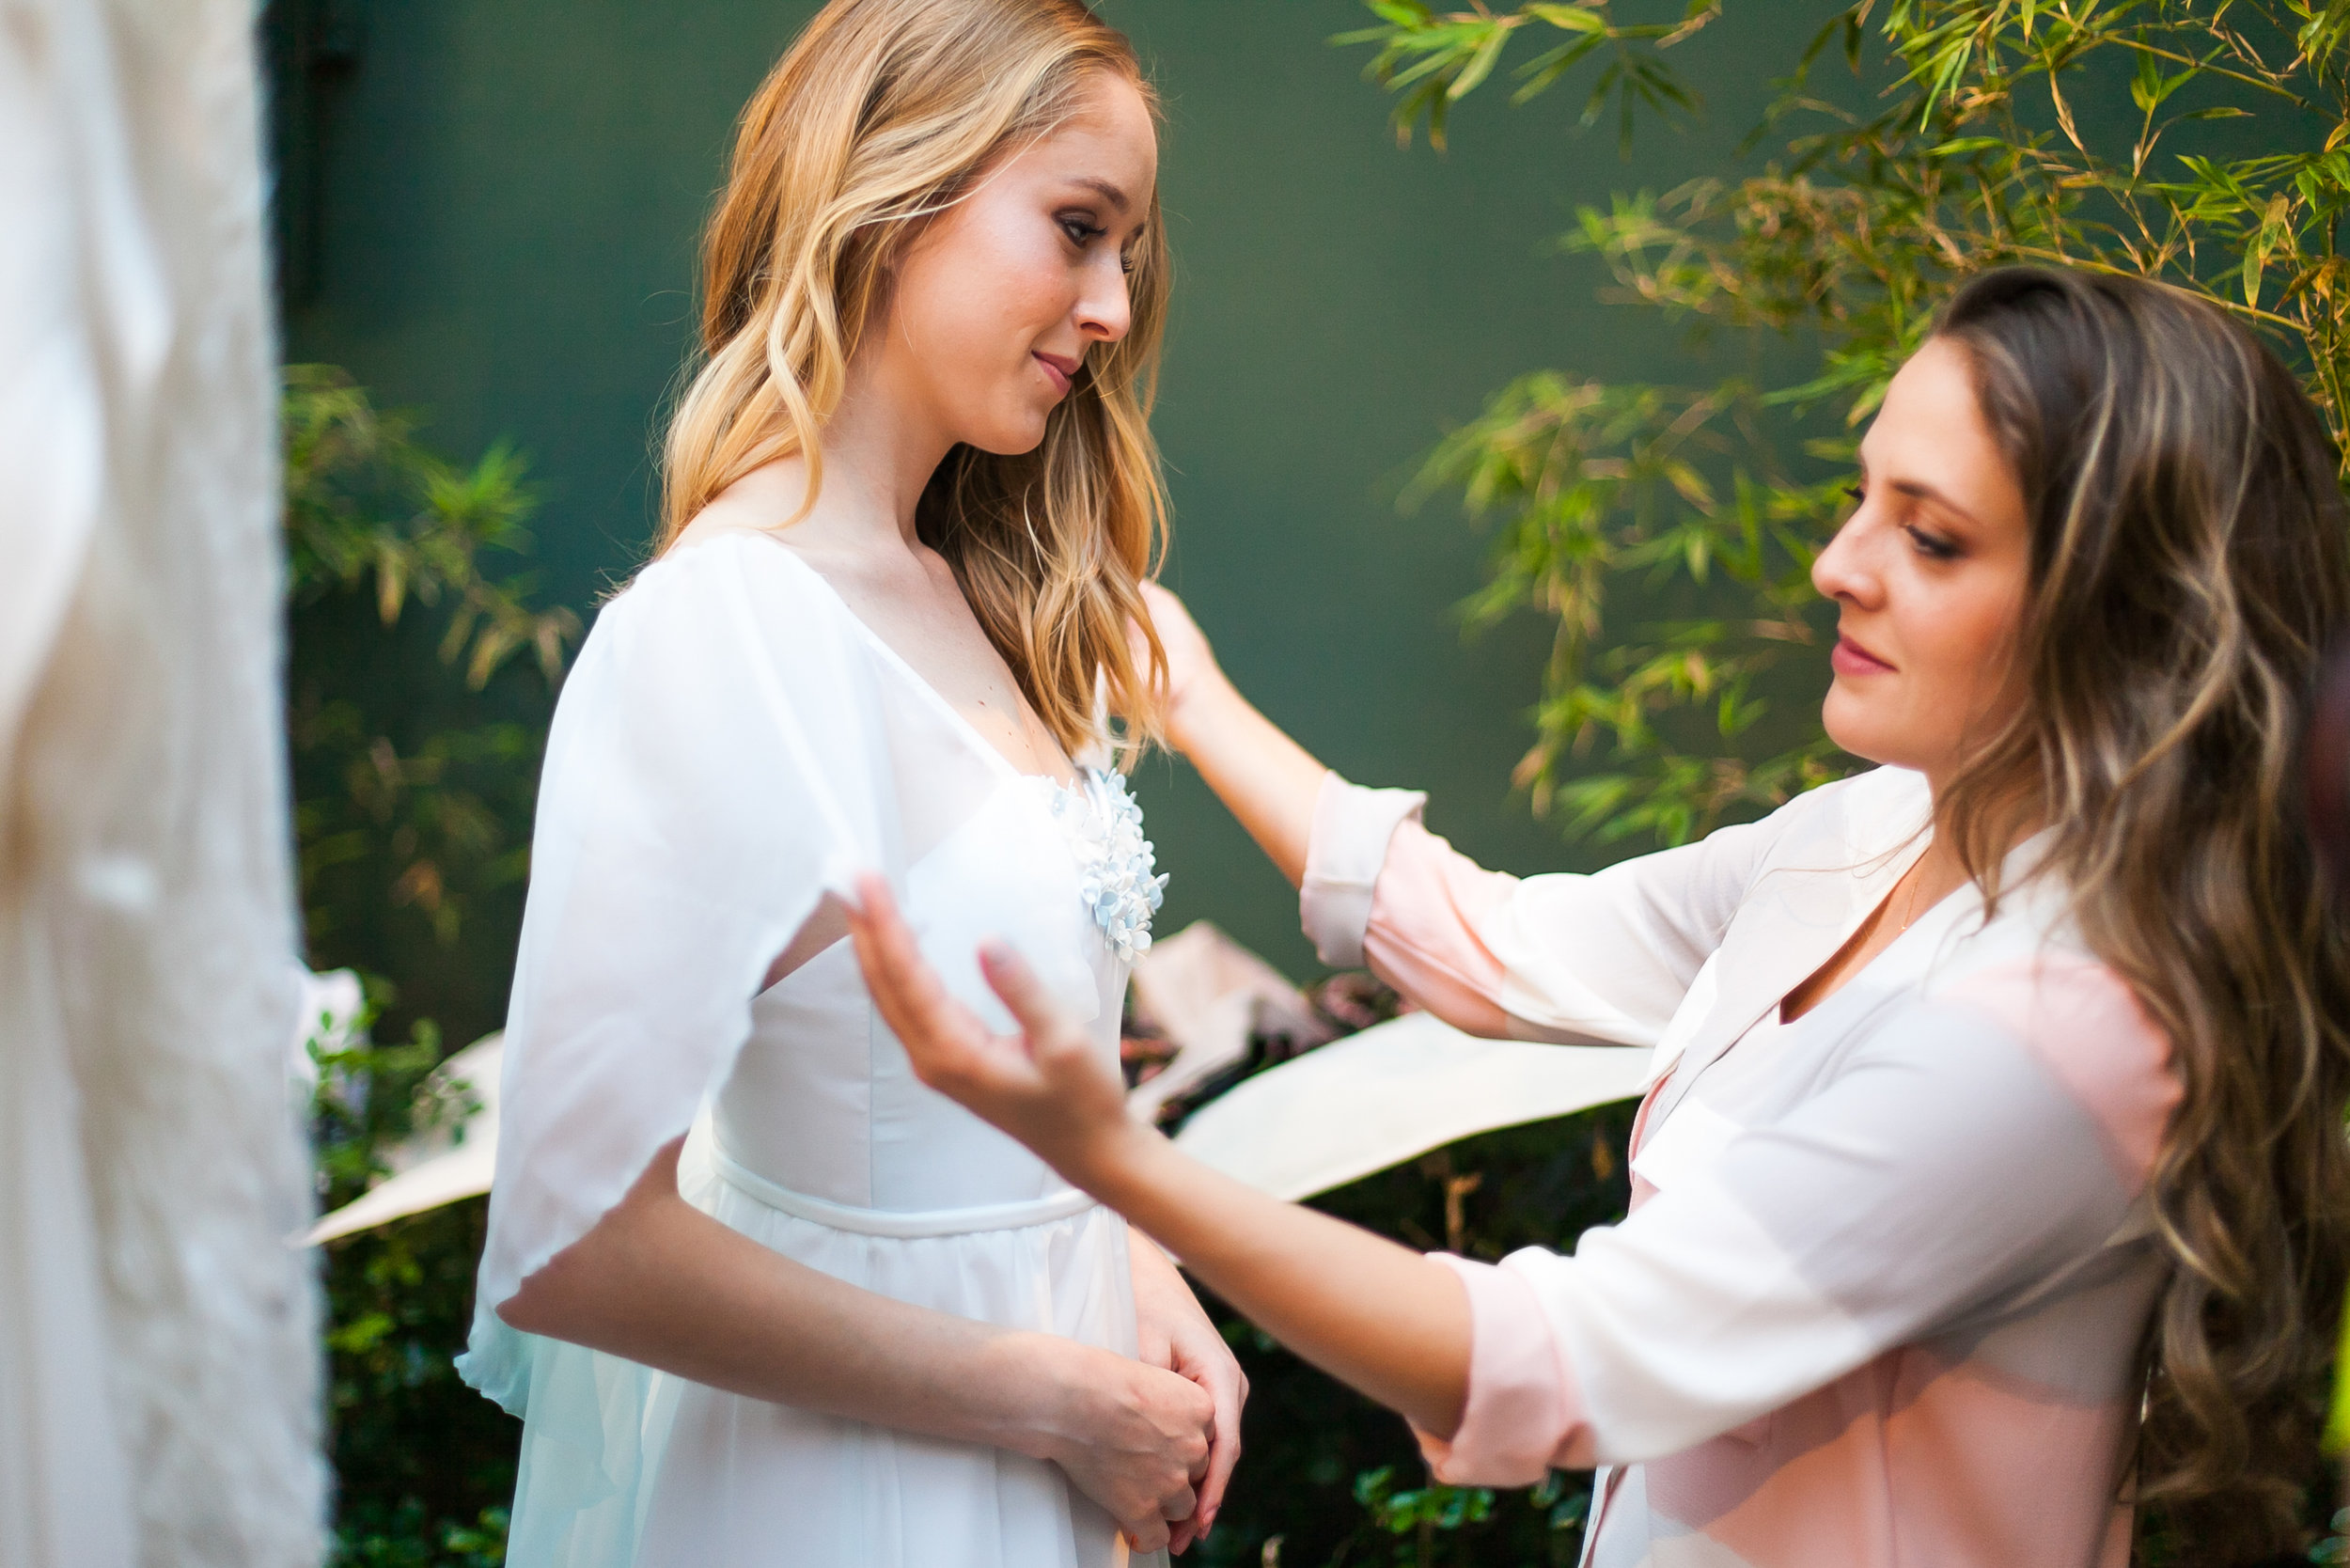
point(1573, 18)
point(1481, 64)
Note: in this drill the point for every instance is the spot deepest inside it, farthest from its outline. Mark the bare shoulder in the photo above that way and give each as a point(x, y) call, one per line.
point(727, 514)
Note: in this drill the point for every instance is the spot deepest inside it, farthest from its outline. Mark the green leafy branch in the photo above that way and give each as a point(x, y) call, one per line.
point(365, 503)
point(1956, 140)
point(1434, 59)
point(372, 516)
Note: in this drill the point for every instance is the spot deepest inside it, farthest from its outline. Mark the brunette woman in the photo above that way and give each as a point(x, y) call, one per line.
point(1992, 1178)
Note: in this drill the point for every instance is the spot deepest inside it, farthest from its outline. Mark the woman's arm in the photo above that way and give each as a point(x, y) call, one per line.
point(662, 1283)
point(1264, 779)
point(1600, 960)
point(1372, 1313)
point(1969, 1148)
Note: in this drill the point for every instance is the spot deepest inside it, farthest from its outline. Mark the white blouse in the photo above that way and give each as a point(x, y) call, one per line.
point(1880, 1295)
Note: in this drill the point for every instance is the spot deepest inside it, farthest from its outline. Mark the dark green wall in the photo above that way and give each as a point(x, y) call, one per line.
point(502, 210)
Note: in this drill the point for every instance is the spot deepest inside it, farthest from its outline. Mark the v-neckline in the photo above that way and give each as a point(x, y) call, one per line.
point(1868, 912)
point(915, 678)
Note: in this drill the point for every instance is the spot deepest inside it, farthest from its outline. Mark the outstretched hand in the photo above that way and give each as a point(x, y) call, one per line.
point(1191, 667)
point(1046, 1085)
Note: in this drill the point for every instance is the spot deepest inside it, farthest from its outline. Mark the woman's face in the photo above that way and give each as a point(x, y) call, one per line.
point(1928, 576)
point(995, 306)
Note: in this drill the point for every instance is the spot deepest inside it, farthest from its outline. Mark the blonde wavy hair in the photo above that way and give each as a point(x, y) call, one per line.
point(881, 115)
point(2191, 562)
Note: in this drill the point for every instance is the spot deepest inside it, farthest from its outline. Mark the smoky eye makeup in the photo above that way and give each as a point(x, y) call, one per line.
point(1931, 543)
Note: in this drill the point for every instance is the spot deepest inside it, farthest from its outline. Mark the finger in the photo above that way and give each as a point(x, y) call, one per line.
point(1231, 1394)
point(1178, 1505)
point(1010, 977)
point(886, 951)
point(1145, 1535)
point(912, 998)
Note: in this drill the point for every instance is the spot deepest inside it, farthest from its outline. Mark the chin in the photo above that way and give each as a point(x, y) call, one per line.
point(1011, 437)
point(1853, 732)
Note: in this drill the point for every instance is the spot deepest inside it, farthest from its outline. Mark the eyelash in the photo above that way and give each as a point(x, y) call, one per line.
point(1081, 234)
point(1929, 546)
point(1925, 543)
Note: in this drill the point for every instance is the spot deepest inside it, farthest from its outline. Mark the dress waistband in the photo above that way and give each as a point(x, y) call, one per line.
point(894, 1222)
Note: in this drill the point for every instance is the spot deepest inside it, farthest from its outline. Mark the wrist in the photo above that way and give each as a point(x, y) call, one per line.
point(1106, 1162)
point(1192, 711)
point(1060, 1385)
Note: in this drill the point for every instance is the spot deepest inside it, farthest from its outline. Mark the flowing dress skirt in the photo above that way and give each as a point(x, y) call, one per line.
point(624, 1466)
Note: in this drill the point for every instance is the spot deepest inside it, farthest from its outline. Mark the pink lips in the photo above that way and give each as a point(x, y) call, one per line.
point(1063, 371)
point(1850, 658)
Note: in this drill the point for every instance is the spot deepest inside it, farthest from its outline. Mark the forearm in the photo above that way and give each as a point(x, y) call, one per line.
point(1377, 1316)
point(1264, 779)
point(660, 1283)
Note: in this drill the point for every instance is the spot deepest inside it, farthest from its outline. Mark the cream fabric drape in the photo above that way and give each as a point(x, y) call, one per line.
point(158, 1375)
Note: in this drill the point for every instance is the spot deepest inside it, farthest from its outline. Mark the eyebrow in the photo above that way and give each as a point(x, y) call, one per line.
point(1919, 492)
point(1109, 192)
point(1927, 493)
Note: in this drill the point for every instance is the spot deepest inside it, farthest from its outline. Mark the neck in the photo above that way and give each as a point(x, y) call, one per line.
point(2011, 816)
point(880, 447)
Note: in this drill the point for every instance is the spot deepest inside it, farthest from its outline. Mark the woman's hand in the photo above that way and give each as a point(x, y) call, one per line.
point(1263, 778)
point(1135, 1438)
point(1374, 1314)
point(1191, 667)
point(1048, 1088)
point(1046, 1085)
point(1176, 1334)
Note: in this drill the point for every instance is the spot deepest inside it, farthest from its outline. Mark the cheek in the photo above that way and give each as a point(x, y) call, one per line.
point(986, 293)
point(1953, 640)
point(1965, 643)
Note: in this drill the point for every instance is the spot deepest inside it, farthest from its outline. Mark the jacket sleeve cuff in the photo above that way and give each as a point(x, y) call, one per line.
point(1523, 1414)
point(1345, 852)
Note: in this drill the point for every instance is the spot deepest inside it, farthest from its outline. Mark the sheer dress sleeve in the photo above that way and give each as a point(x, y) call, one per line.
point(716, 763)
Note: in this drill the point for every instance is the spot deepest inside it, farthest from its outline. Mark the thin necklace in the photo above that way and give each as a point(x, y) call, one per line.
point(1911, 900)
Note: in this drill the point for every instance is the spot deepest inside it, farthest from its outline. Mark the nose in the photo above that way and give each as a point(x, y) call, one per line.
point(1846, 571)
point(1104, 308)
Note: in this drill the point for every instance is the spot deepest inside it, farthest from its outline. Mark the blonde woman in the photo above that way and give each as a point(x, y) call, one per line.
point(911, 500)
point(1993, 1177)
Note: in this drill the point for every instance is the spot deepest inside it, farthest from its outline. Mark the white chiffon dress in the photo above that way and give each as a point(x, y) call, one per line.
point(731, 744)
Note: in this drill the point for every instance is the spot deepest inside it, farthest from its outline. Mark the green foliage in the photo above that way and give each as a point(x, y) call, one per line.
point(367, 507)
point(2203, 142)
point(415, 737)
point(1432, 61)
point(374, 522)
point(404, 1537)
point(1420, 1512)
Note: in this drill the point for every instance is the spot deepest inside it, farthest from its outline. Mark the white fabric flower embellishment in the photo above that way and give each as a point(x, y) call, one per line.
point(1115, 861)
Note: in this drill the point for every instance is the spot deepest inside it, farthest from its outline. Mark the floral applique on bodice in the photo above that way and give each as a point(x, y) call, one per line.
point(1103, 824)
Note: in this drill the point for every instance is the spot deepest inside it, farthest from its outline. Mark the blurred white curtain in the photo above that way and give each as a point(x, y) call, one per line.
point(158, 1377)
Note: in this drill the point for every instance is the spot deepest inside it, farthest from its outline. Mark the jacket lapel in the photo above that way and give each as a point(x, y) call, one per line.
point(1806, 900)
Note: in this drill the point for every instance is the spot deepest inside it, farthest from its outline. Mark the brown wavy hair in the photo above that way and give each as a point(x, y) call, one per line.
point(882, 114)
point(2189, 563)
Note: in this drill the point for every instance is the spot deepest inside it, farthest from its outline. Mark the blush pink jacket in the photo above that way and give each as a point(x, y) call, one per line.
point(1880, 1295)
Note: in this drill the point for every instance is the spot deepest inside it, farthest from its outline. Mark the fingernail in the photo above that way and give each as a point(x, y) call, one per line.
point(995, 949)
